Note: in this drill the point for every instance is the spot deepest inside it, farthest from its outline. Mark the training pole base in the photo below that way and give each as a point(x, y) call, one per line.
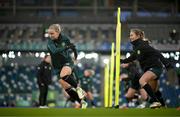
point(117, 106)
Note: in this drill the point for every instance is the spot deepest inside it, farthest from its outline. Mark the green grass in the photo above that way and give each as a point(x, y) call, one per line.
point(98, 112)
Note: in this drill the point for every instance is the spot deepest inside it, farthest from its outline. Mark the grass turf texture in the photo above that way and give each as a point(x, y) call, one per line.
point(98, 112)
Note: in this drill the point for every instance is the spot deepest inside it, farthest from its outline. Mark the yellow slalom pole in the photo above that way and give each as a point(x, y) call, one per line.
point(111, 76)
point(118, 55)
point(106, 85)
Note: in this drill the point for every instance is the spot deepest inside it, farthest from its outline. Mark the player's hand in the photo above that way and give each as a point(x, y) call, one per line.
point(73, 47)
point(124, 65)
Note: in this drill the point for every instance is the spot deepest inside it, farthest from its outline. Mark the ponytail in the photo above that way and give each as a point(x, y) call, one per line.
point(141, 34)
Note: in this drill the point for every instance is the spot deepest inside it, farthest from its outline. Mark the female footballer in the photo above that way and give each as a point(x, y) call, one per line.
point(59, 46)
point(150, 61)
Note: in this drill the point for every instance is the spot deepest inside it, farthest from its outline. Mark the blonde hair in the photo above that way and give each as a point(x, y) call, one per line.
point(55, 27)
point(140, 33)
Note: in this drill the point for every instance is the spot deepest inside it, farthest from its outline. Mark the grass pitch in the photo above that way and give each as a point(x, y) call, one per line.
point(98, 112)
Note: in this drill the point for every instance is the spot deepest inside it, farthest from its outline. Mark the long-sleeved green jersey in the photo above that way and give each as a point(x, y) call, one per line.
point(86, 83)
point(60, 56)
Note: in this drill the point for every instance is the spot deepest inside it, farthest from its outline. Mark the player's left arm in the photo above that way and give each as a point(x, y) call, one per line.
point(76, 73)
point(71, 46)
point(165, 61)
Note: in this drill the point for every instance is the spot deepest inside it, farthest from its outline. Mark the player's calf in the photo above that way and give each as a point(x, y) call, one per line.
point(73, 94)
point(70, 80)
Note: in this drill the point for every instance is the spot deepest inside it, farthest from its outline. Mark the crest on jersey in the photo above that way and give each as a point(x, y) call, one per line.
point(63, 44)
point(138, 52)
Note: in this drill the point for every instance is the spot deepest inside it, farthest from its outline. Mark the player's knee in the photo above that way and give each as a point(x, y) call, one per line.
point(128, 96)
point(70, 80)
point(144, 97)
point(142, 82)
point(65, 71)
point(89, 95)
point(62, 74)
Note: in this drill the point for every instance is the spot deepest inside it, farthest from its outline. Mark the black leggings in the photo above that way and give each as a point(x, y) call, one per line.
point(43, 94)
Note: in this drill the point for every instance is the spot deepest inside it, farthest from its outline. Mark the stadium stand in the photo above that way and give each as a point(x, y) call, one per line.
point(92, 27)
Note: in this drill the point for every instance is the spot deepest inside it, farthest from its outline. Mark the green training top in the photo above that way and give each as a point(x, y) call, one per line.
point(59, 54)
point(86, 83)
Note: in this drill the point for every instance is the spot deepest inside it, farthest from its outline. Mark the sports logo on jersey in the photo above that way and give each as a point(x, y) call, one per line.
point(151, 69)
point(63, 44)
point(138, 52)
point(67, 64)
